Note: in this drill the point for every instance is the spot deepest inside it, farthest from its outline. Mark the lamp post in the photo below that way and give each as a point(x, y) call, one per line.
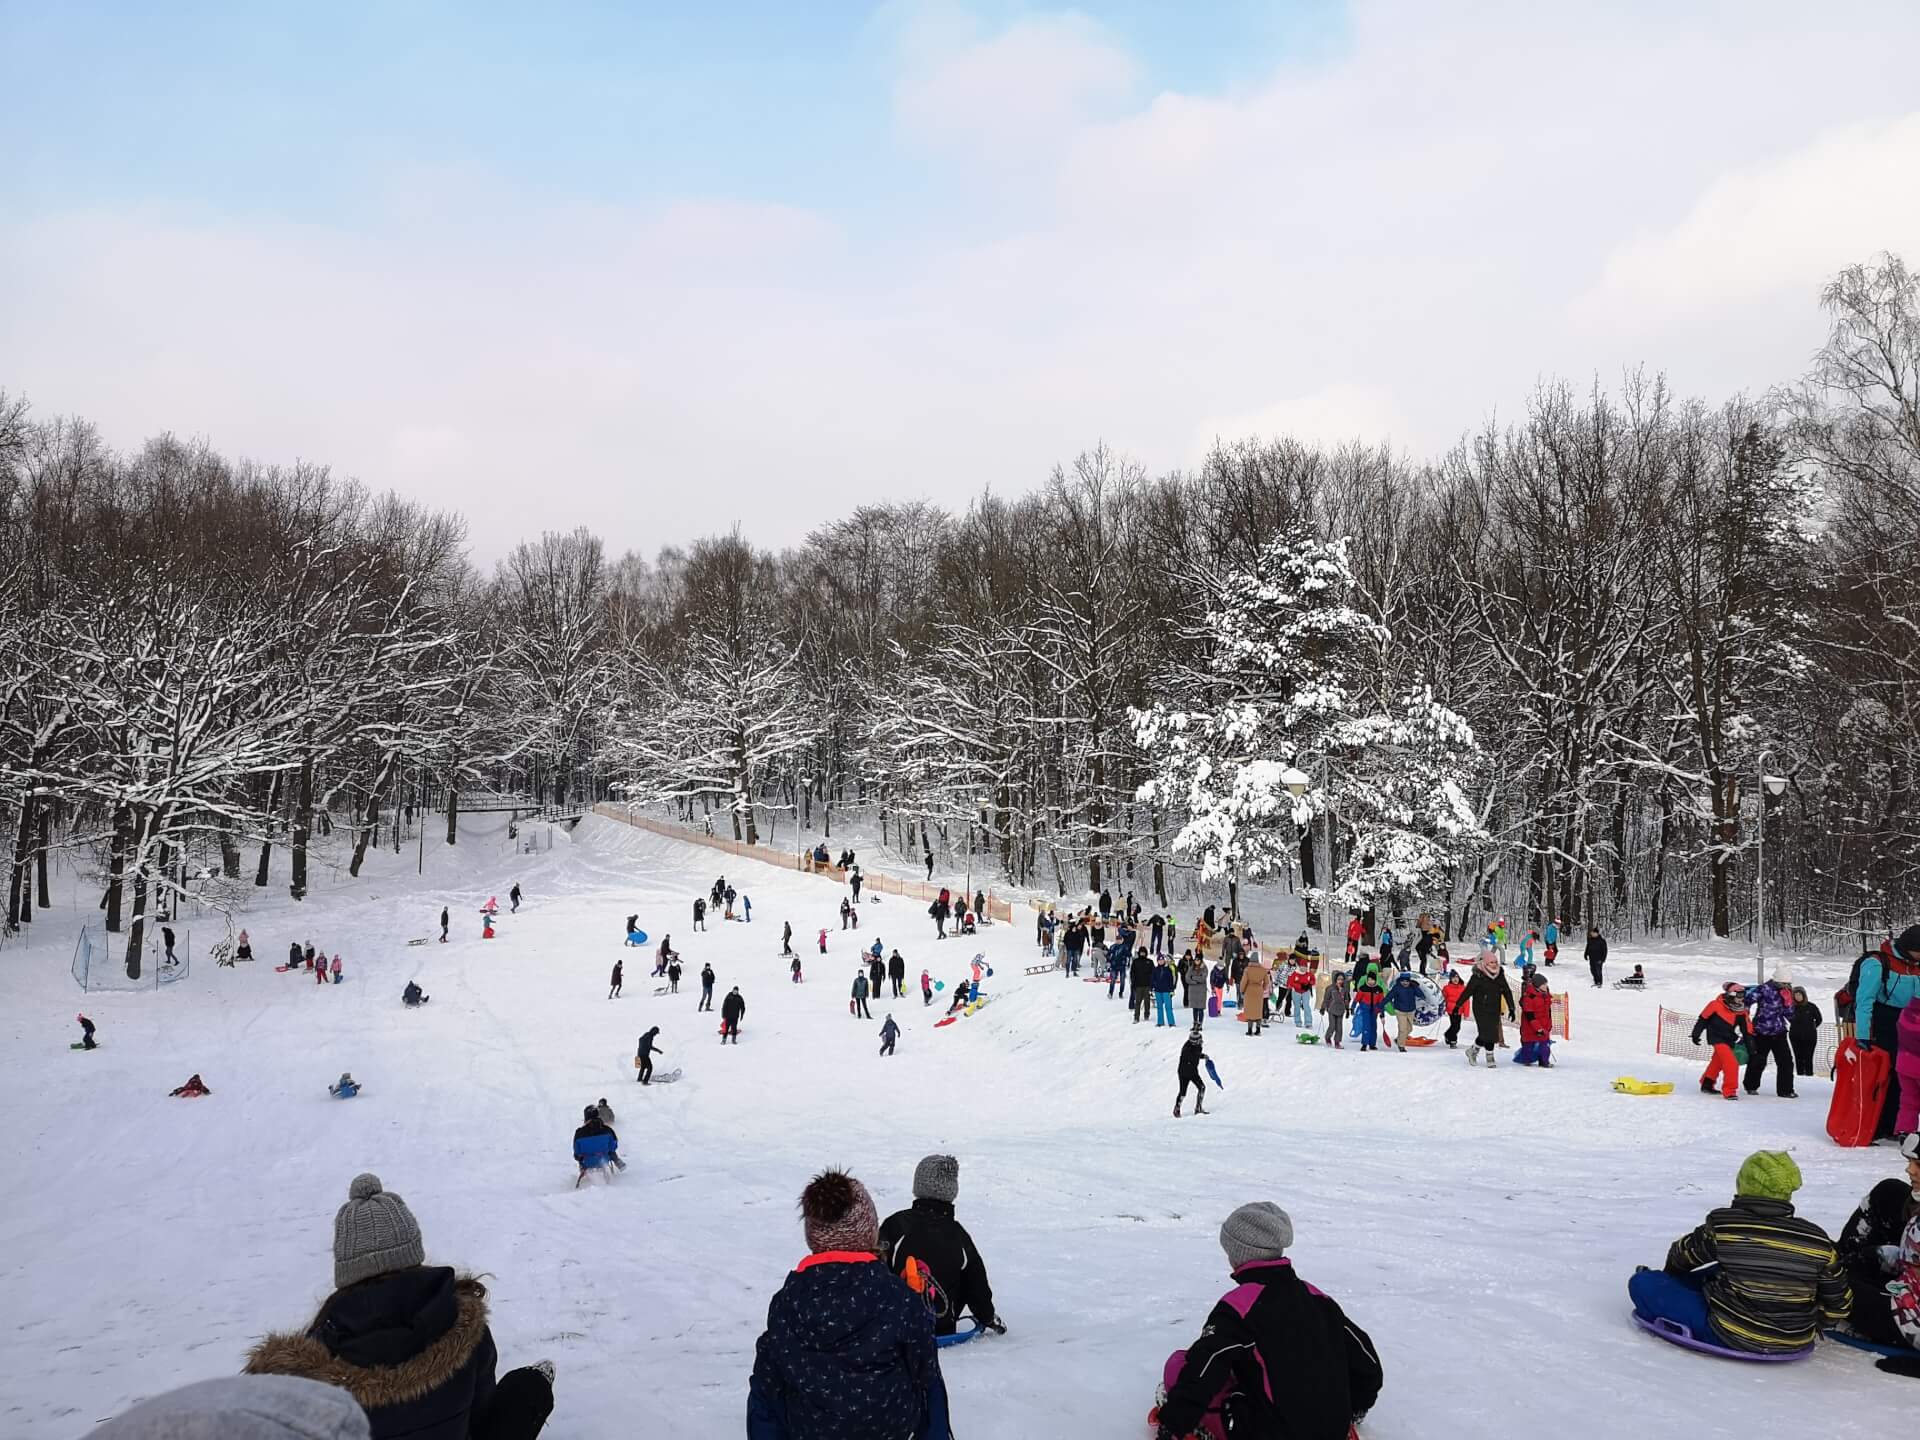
point(1769, 785)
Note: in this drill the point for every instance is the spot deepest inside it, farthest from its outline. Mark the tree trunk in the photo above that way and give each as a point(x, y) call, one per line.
point(1309, 875)
point(302, 823)
point(40, 857)
point(116, 866)
point(370, 820)
point(19, 893)
point(1725, 830)
point(1659, 882)
point(453, 813)
point(229, 853)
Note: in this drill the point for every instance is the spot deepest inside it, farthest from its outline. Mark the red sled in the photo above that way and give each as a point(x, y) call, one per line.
point(1860, 1079)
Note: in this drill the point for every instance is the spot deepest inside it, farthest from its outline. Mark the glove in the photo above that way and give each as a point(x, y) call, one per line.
point(999, 1326)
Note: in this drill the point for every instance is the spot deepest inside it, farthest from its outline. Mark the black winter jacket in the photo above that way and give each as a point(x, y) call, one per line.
point(1141, 974)
point(1191, 1055)
point(412, 1346)
point(929, 1233)
point(1288, 1359)
point(733, 1009)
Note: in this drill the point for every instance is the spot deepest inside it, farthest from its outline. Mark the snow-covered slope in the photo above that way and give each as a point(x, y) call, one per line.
point(1480, 1225)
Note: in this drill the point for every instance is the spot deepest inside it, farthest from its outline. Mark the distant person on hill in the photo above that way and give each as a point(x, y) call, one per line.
point(1724, 1025)
point(86, 1033)
point(193, 1089)
point(926, 987)
point(295, 959)
point(706, 987)
point(1402, 1001)
point(444, 919)
point(786, 938)
point(1334, 1006)
point(699, 913)
point(889, 1032)
point(1187, 1071)
point(876, 976)
point(897, 973)
point(1140, 985)
point(848, 1351)
point(513, 896)
point(1803, 1030)
point(859, 1009)
point(1163, 987)
point(1369, 1002)
point(345, 1088)
point(1769, 1015)
point(1636, 981)
point(1536, 1023)
point(673, 976)
point(795, 969)
point(643, 1056)
point(733, 1010)
point(336, 969)
point(407, 1340)
point(1596, 953)
point(414, 995)
point(1487, 995)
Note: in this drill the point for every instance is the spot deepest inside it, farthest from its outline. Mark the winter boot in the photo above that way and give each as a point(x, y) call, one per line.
point(1199, 1105)
point(1492, 1060)
point(1176, 1109)
point(1473, 1055)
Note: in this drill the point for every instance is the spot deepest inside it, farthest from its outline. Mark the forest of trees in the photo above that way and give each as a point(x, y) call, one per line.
point(1563, 653)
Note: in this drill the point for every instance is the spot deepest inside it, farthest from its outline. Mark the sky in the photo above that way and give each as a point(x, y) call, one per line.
point(663, 269)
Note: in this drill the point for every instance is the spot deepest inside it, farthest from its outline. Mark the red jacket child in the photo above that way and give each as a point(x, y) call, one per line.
point(1536, 1014)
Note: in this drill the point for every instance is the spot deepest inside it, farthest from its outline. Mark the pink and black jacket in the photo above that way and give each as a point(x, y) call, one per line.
point(1274, 1346)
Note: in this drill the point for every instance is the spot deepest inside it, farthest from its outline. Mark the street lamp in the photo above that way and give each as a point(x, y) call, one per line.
point(1769, 785)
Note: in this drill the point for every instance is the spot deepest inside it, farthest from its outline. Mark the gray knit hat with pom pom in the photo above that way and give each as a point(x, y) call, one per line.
point(373, 1233)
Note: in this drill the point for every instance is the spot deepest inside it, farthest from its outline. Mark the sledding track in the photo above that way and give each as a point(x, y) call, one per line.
point(1459, 1215)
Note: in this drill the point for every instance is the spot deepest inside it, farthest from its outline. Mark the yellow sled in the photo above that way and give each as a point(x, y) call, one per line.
point(1627, 1085)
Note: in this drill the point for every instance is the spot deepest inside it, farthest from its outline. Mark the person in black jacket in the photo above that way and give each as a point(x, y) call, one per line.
point(1596, 954)
point(733, 1010)
point(1869, 1246)
point(1188, 1071)
point(897, 973)
point(1487, 991)
point(1271, 1325)
point(848, 1350)
point(1140, 977)
point(1803, 1030)
point(939, 1245)
point(409, 1341)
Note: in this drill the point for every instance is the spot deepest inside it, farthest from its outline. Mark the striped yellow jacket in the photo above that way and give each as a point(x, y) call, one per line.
point(1772, 1279)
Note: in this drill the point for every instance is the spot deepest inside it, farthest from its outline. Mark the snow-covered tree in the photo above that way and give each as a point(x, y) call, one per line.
point(1292, 693)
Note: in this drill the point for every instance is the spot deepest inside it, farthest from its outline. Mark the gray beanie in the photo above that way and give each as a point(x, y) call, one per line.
point(1259, 1231)
point(243, 1407)
point(937, 1178)
point(373, 1233)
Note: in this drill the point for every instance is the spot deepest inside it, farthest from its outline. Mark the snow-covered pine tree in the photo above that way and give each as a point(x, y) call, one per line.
point(1295, 674)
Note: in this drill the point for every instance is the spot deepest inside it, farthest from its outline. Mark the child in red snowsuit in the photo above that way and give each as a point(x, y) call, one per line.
point(1724, 1024)
point(1536, 1023)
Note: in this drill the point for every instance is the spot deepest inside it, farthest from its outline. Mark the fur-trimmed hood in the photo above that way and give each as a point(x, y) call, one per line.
point(364, 1324)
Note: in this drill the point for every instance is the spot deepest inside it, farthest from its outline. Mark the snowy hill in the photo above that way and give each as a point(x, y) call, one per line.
point(1480, 1225)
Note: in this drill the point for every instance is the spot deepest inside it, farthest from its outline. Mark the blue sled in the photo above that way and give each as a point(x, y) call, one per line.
point(1214, 1073)
point(1858, 1342)
point(636, 937)
point(959, 1337)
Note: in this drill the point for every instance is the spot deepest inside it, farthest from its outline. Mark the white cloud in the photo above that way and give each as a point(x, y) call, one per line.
point(1779, 227)
point(1332, 415)
point(1392, 243)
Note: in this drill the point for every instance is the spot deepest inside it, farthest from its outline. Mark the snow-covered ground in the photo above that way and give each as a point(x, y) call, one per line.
point(1480, 1225)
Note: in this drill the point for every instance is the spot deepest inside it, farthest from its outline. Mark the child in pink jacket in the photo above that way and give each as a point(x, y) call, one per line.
point(1907, 1068)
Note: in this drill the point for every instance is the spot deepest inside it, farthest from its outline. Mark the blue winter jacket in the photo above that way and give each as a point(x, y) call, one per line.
point(1552, 935)
point(1405, 995)
point(1902, 989)
point(847, 1354)
point(1163, 979)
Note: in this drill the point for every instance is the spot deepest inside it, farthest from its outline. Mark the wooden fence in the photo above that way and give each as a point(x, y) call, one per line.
point(997, 909)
